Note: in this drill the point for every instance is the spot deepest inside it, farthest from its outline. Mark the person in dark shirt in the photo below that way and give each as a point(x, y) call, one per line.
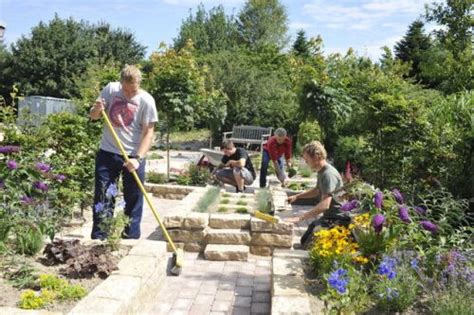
point(276, 148)
point(236, 167)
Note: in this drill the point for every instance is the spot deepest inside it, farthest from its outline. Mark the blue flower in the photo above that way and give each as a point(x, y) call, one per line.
point(121, 204)
point(387, 268)
point(99, 207)
point(111, 191)
point(338, 280)
point(392, 293)
point(414, 263)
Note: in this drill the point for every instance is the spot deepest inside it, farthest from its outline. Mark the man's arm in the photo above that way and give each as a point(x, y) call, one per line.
point(313, 192)
point(234, 163)
point(322, 206)
point(145, 144)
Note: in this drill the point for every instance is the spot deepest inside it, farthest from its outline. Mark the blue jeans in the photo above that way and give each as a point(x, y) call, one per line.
point(264, 167)
point(108, 167)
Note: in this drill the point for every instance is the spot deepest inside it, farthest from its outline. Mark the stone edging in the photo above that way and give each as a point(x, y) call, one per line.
point(141, 274)
point(288, 288)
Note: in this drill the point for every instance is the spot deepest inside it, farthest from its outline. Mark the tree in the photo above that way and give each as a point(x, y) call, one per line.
point(412, 47)
point(178, 86)
point(301, 46)
point(449, 66)
point(263, 23)
point(58, 53)
point(117, 45)
point(209, 32)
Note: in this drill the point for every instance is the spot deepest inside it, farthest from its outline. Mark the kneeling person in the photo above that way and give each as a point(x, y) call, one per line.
point(236, 167)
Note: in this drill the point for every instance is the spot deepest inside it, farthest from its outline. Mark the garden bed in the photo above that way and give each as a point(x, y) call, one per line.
point(14, 265)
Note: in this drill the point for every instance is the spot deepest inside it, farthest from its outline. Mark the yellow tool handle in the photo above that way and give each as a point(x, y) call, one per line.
point(139, 182)
point(265, 217)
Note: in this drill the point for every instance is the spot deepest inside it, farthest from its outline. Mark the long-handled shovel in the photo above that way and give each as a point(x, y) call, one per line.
point(177, 253)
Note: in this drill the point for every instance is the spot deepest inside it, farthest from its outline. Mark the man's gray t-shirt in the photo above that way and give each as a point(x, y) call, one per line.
point(329, 180)
point(128, 117)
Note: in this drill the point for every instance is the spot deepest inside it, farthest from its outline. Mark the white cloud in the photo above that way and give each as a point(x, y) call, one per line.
point(361, 16)
point(299, 25)
point(197, 2)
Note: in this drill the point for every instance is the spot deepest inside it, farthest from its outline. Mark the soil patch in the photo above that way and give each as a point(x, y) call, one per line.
point(11, 295)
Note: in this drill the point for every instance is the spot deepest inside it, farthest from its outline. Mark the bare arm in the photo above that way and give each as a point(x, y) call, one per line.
point(314, 192)
point(322, 206)
point(145, 144)
point(233, 163)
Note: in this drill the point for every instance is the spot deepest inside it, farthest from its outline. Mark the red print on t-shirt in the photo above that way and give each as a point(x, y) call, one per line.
point(122, 113)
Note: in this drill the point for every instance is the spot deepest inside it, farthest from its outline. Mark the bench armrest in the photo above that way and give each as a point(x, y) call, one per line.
point(266, 137)
point(226, 134)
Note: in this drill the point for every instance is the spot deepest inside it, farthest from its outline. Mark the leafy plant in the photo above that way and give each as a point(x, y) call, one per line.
point(28, 239)
point(222, 209)
point(207, 200)
point(156, 178)
point(241, 210)
point(263, 199)
point(241, 203)
point(20, 274)
point(114, 226)
point(225, 201)
point(305, 171)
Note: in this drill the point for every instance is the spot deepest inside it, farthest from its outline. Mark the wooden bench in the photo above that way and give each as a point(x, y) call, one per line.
point(249, 135)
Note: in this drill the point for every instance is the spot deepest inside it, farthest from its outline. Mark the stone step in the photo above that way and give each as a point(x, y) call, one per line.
point(226, 252)
point(229, 221)
point(228, 236)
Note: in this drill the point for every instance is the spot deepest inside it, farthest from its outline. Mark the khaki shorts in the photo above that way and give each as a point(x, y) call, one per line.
point(226, 175)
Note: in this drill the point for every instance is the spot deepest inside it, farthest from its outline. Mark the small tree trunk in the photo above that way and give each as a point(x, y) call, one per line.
point(168, 149)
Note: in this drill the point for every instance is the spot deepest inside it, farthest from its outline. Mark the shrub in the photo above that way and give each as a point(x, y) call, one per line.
point(309, 131)
point(241, 210)
point(156, 178)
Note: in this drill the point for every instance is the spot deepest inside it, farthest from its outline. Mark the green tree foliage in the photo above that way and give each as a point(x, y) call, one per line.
point(209, 31)
point(412, 47)
point(301, 45)
point(449, 66)
point(263, 23)
point(178, 86)
point(58, 53)
point(258, 87)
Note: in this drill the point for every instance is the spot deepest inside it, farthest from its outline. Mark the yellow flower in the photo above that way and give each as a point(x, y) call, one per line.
point(361, 260)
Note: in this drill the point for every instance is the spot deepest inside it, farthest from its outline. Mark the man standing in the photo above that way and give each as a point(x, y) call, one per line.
point(328, 181)
point(276, 147)
point(236, 167)
point(132, 112)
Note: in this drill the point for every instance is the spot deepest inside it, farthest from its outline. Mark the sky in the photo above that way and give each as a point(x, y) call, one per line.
point(364, 25)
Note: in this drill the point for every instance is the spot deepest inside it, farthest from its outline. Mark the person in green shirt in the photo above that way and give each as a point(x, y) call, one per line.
point(328, 181)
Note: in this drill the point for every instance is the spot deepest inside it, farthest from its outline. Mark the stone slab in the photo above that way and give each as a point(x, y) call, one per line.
point(284, 305)
point(226, 252)
point(258, 225)
point(229, 221)
point(228, 236)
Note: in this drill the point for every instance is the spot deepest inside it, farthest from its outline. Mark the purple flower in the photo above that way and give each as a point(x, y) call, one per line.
point(99, 207)
point(26, 200)
point(378, 200)
point(9, 149)
point(12, 164)
point(377, 222)
point(391, 294)
point(121, 204)
point(60, 178)
point(421, 210)
point(398, 196)
point(429, 226)
point(403, 214)
point(45, 168)
point(338, 280)
point(414, 263)
point(348, 206)
point(387, 268)
point(111, 191)
point(41, 186)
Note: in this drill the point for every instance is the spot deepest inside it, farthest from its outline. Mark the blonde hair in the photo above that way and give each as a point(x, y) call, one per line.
point(131, 74)
point(315, 149)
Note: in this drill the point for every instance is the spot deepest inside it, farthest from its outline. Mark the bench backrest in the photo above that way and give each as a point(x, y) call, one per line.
point(250, 132)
